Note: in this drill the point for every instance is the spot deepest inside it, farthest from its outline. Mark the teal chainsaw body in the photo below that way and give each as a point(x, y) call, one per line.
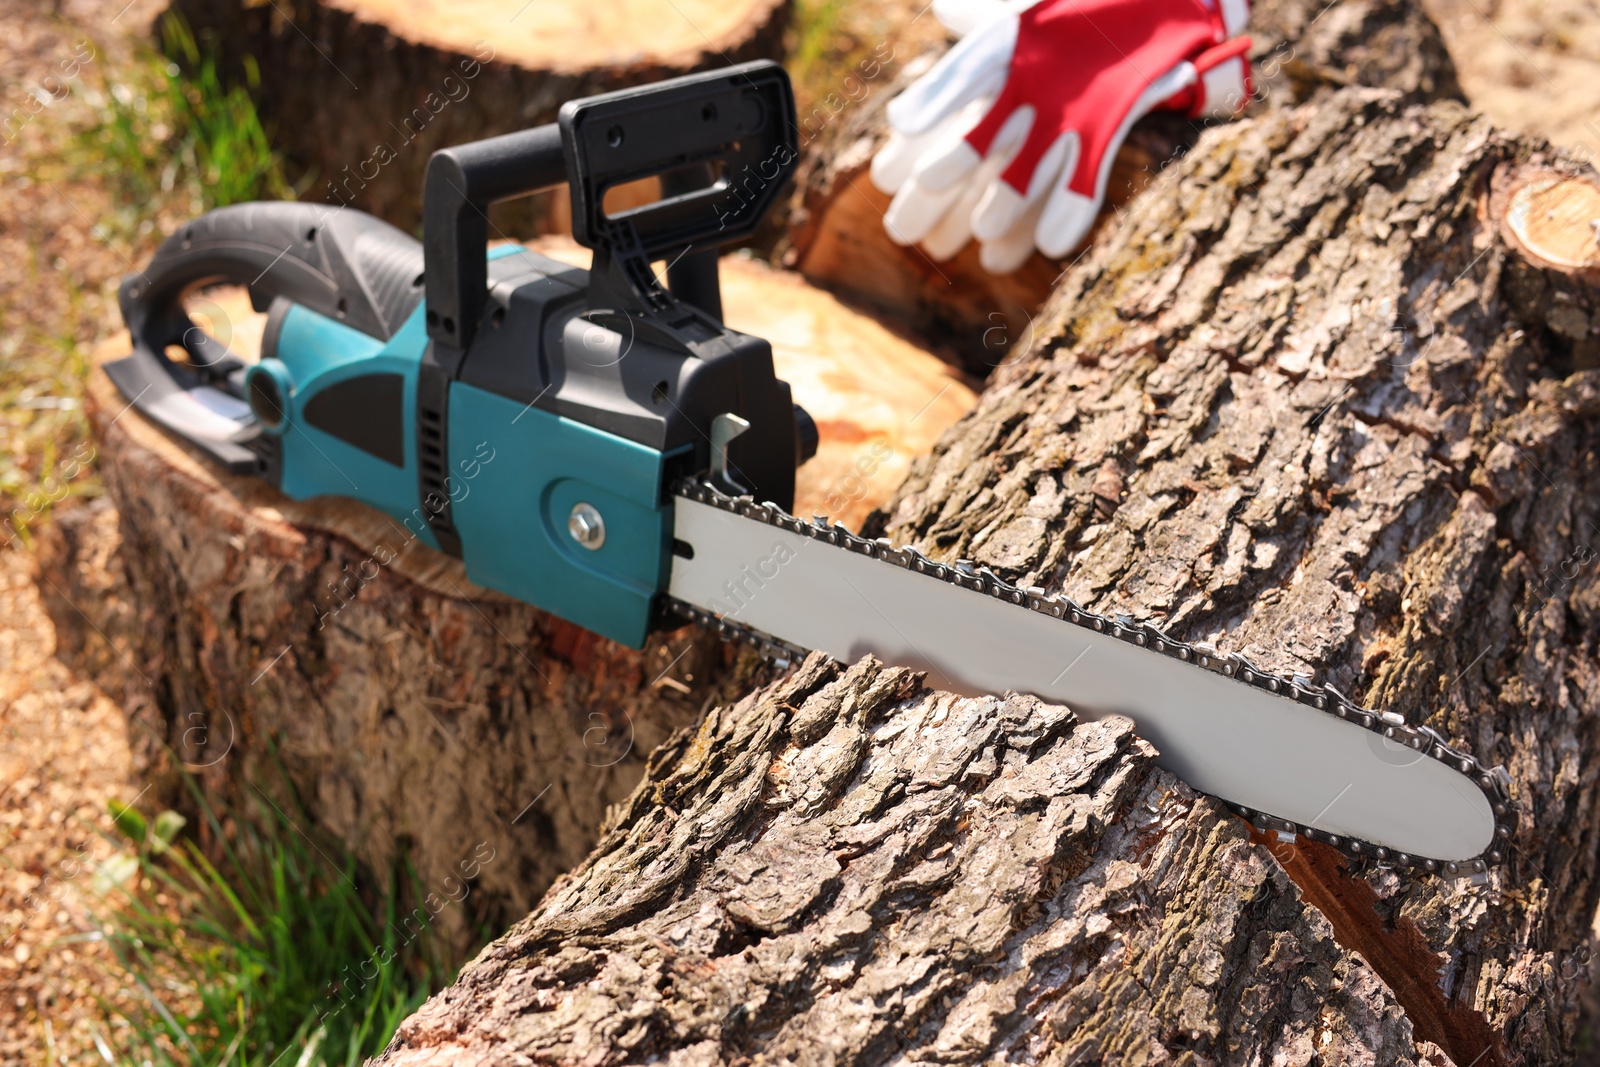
point(513, 476)
point(519, 413)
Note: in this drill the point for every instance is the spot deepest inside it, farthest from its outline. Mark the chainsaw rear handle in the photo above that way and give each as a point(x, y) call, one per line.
point(722, 143)
point(346, 265)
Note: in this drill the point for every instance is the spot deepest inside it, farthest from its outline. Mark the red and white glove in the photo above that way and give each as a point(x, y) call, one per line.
point(1010, 136)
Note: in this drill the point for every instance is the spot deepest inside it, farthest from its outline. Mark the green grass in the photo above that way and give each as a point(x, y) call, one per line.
point(817, 32)
point(174, 125)
point(279, 951)
point(819, 50)
point(45, 453)
point(167, 136)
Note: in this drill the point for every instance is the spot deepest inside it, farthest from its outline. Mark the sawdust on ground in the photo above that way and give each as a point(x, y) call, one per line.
point(64, 751)
point(63, 744)
point(1530, 65)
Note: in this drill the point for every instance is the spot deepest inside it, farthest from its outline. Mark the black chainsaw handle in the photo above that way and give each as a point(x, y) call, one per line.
point(341, 263)
point(459, 186)
point(723, 142)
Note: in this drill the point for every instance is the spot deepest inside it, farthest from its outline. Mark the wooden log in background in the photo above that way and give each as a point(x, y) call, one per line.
point(417, 715)
point(1326, 396)
point(359, 93)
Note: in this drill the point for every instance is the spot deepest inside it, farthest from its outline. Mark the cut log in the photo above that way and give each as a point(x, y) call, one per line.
point(359, 93)
point(1323, 398)
point(846, 868)
point(413, 712)
point(1302, 49)
point(1352, 430)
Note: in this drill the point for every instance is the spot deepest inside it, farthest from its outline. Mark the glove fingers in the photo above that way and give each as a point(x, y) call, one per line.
point(954, 230)
point(947, 165)
point(905, 157)
point(893, 164)
point(915, 210)
point(1002, 206)
point(947, 157)
point(974, 68)
point(1012, 249)
point(1065, 221)
point(921, 202)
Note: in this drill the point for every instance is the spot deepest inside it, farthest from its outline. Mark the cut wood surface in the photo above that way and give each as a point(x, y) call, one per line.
point(415, 713)
point(570, 35)
point(1302, 49)
point(358, 93)
point(1310, 400)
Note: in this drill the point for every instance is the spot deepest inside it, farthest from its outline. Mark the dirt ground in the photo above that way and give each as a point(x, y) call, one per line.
point(1529, 64)
point(1533, 64)
point(63, 746)
point(64, 751)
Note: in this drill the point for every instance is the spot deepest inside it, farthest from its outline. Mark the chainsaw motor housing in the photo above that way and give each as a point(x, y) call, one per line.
point(522, 414)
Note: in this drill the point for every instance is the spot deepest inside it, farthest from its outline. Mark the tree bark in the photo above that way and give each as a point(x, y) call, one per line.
point(359, 93)
point(847, 868)
point(1325, 396)
point(416, 715)
point(1302, 50)
point(1343, 425)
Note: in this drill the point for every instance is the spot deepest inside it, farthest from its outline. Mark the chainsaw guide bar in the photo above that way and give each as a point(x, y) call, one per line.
point(1481, 794)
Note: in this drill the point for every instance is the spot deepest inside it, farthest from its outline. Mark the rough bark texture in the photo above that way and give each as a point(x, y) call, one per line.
point(1312, 400)
point(1303, 49)
point(847, 868)
point(360, 92)
point(416, 714)
point(1341, 423)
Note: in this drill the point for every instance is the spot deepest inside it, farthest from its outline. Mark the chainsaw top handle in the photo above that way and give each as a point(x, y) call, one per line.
point(721, 142)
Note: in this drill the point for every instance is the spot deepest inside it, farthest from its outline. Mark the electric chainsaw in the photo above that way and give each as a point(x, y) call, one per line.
point(600, 445)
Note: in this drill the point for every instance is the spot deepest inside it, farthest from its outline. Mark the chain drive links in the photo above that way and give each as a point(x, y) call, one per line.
point(1494, 782)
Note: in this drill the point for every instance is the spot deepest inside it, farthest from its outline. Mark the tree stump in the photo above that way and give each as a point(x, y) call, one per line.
point(1325, 396)
point(415, 714)
point(360, 92)
point(1302, 49)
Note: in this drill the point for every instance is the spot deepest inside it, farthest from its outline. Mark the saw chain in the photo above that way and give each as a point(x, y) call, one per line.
point(1424, 740)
